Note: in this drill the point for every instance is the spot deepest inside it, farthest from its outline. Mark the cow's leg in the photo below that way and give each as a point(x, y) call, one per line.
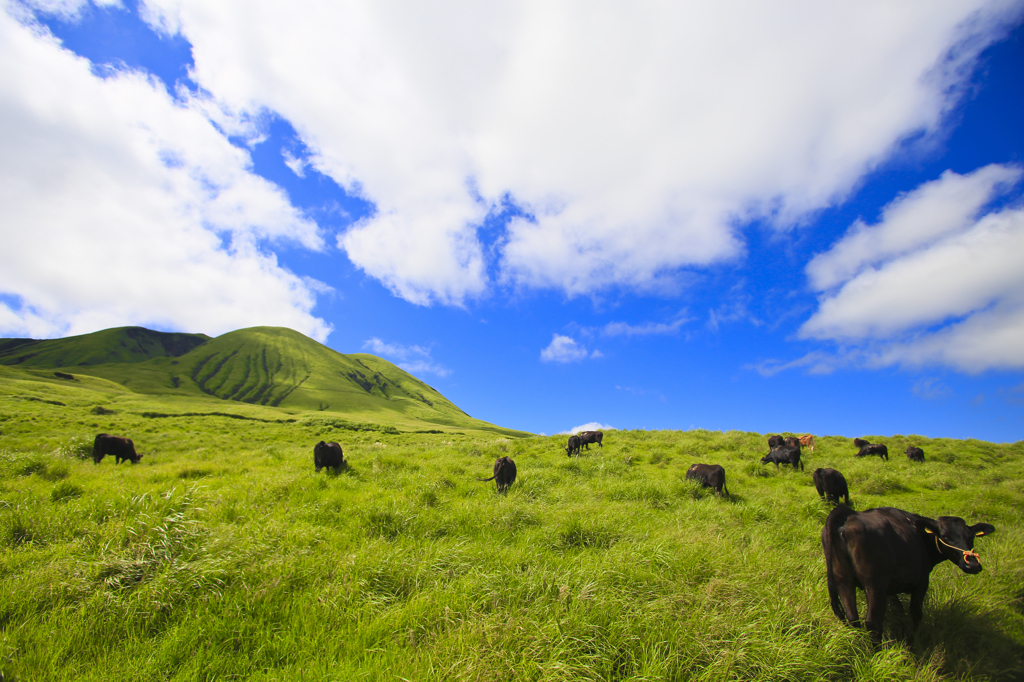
point(848, 596)
point(917, 607)
point(876, 598)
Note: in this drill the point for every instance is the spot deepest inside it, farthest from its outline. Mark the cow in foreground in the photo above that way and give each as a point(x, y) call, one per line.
point(709, 476)
point(504, 473)
point(120, 448)
point(807, 441)
point(874, 449)
point(831, 485)
point(915, 454)
point(573, 447)
point(588, 437)
point(328, 455)
point(887, 552)
point(784, 454)
point(775, 441)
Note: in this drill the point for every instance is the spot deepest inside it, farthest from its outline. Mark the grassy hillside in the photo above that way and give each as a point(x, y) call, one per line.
point(267, 366)
point(222, 555)
point(123, 344)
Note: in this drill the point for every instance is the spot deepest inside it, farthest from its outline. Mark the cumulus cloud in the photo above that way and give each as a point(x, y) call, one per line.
point(948, 292)
point(635, 139)
point(413, 359)
point(120, 205)
point(590, 426)
point(566, 349)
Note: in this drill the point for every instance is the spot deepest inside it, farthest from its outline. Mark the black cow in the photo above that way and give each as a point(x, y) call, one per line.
point(120, 448)
point(792, 441)
point(831, 485)
point(328, 455)
point(709, 476)
point(860, 442)
point(775, 441)
point(887, 552)
point(504, 473)
point(573, 447)
point(784, 454)
point(874, 449)
point(915, 454)
point(588, 437)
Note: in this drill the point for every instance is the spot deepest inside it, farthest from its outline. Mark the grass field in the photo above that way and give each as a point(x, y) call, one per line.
point(222, 555)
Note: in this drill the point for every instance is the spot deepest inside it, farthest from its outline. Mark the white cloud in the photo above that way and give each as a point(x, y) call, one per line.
point(949, 293)
point(413, 359)
point(639, 137)
point(647, 328)
point(120, 206)
point(566, 349)
point(590, 426)
point(931, 388)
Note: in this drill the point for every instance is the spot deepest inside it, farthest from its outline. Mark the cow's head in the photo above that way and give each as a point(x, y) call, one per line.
point(955, 539)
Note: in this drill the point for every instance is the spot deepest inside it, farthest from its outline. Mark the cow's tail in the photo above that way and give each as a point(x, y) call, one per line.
point(484, 480)
point(831, 541)
point(725, 489)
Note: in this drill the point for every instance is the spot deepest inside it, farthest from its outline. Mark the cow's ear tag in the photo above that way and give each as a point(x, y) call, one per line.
point(980, 532)
point(929, 531)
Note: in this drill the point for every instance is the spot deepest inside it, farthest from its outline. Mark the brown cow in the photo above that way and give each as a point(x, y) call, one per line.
point(887, 552)
point(504, 474)
point(120, 448)
point(807, 441)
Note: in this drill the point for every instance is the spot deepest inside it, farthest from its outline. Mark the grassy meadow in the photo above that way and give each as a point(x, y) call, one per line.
point(222, 555)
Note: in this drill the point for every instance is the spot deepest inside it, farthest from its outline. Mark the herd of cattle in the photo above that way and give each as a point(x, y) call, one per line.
point(885, 551)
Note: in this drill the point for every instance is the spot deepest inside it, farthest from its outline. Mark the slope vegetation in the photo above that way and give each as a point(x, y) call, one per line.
point(267, 366)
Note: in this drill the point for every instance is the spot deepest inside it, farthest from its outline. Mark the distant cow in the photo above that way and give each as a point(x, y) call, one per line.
point(807, 441)
point(328, 455)
point(915, 454)
point(887, 552)
point(588, 437)
point(504, 473)
point(784, 454)
point(775, 441)
point(874, 449)
point(831, 485)
point(792, 441)
point(573, 447)
point(120, 448)
point(860, 442)
point(709, 476)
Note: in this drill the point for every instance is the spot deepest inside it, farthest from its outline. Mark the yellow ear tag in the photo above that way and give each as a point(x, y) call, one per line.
point(980, 532)
point(929, 530)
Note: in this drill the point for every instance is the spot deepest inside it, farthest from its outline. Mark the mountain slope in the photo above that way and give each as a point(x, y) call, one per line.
point(268, 366)
point(122, 344)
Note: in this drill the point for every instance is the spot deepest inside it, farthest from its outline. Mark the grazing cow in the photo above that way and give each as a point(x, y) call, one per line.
point(328, 455)
point(874, 449)
point(915, 454)
point(807, 441)
point(709, 476)
point(775, 441)
point(784, 454)
point(792, 441)
point(504, 473)
point(860, 442)
point(588, 437)
point(887, 552)
point(573, 447)
point(831, 485)
point(120, 448)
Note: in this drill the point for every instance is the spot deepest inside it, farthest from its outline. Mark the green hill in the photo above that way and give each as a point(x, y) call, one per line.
point(122, 344)
point(267, 366)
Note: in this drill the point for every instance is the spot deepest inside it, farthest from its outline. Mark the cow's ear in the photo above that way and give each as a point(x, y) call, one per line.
point(926, 525)
point(982, 529)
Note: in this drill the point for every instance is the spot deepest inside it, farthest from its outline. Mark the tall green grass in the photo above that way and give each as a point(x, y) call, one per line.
point(222, 555)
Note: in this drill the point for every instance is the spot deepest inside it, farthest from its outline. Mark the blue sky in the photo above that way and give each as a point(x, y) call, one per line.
point(798, 218)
